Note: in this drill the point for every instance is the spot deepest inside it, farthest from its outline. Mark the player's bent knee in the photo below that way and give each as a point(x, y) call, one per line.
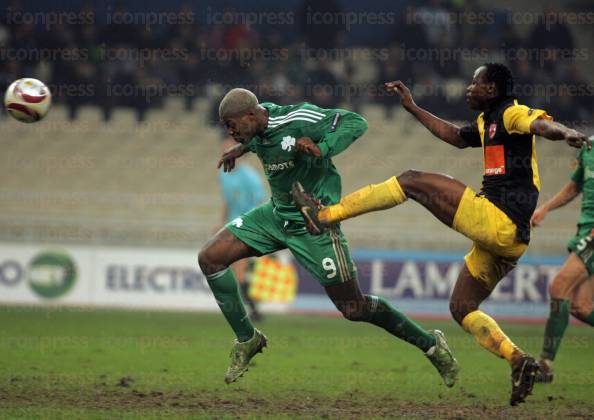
point(207, 262)
point(354, 311)
point(409, 181)
point(559, 287)
point(203, 261)
point(408, 176)
point(355, 316)
point(580, 313)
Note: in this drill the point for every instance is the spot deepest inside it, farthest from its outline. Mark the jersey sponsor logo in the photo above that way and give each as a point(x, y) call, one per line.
point(282, 166)
point(492, 130)
point(288, 143)
point(495, 160)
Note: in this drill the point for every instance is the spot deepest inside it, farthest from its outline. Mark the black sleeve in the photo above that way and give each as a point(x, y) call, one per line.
point(470, 134)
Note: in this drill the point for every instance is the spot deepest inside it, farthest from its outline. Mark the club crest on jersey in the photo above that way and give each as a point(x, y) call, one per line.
point(238, 222)
point(492, 130)
point(288, 143)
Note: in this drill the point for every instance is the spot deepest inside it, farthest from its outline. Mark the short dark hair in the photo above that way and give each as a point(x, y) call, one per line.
point(502, 76)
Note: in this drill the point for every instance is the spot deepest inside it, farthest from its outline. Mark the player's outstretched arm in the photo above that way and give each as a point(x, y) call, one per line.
point(570, 191)
point(444, 130)
point(556, 131)
point(334, 137)
point(227, 161)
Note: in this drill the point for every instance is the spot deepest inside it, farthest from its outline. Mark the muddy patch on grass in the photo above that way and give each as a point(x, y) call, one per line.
point(208, 403)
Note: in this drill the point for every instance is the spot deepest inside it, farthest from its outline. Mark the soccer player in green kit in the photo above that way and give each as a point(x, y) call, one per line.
point(572, 289)
point(295, 143)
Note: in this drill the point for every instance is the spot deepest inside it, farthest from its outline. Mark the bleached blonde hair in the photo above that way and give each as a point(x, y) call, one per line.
point(236, 102)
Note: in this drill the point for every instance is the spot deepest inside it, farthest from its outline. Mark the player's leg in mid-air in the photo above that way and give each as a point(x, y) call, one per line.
point(458, 207)
point(241, 270)
point(215, 260)
point(582, 245)
point(571, 293)
point(440, 194)
point(250, 235)
point(328, 259)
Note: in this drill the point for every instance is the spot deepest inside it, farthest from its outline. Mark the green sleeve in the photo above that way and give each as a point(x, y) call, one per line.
point(578, 174)
point(337, 131)
point(251, 145)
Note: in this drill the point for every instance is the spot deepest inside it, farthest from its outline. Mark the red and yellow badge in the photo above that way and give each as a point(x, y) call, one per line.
point(492, 130)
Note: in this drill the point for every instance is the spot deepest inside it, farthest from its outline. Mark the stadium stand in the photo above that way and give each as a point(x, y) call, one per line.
point(139, 167)
point(155, 183)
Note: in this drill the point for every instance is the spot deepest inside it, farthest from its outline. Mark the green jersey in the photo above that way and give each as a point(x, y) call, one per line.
point(583, 176)
point(333, 130)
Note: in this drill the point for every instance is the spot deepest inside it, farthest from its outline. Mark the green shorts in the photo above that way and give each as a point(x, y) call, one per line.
point(582, 245)
point(326, 257)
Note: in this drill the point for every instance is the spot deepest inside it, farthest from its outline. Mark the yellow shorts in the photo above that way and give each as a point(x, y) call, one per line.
point(496, 249)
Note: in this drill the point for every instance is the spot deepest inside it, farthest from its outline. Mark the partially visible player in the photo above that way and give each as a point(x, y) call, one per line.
point(297, 143)
point(497, 219)
point(572, 289)
point(242, 190)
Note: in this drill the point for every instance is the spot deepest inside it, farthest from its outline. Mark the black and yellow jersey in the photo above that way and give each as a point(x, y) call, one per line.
point(510, 178)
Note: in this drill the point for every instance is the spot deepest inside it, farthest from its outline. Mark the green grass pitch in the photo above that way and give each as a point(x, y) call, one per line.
point(69, 363)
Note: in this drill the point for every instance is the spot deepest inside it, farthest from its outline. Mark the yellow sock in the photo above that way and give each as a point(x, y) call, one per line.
point(488, 334)
point(370, 198)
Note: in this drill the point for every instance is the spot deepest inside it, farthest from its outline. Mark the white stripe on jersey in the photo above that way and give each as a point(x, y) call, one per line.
point(340, 257)
point(297, 118)
point(307, 116)
point(304, 111)
point(300, 114)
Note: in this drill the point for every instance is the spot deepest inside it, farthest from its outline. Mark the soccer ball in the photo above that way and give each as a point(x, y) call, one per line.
point(27, 100)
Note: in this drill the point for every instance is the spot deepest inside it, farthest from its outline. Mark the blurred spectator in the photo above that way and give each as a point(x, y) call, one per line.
point(409, 31)
point(429, 88)
point(552, 32)
point(390, 70)
point(320, 23)
point(117, 32)
point(83, 80)
point(553, 39)
point(276, 85)
point(323, 88)
point(436, 20)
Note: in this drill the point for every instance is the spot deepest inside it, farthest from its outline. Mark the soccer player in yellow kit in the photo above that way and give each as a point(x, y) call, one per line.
point(497, 219)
